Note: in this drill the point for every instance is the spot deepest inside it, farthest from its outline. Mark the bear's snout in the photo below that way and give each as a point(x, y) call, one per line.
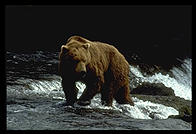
point(83, 74)
point(81, 69)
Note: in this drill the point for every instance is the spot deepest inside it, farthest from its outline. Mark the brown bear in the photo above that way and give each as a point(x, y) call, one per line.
point(100, 66)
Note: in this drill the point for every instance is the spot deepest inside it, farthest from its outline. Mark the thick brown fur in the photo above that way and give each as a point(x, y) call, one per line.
point(107, 71)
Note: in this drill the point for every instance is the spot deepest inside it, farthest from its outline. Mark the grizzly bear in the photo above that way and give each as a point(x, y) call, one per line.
point(100, 66)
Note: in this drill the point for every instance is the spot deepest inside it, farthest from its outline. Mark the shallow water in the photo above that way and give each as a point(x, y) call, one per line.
point(33, 86)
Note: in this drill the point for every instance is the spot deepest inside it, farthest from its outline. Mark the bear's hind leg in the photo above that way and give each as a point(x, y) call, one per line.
point(106, 97)
point(107, 93)
point(123, 96)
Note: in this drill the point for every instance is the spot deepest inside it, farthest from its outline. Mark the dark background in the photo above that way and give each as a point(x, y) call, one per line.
point(157, 34)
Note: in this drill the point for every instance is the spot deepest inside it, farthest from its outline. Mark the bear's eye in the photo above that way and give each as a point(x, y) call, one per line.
point(83, 60)
point(72, 54)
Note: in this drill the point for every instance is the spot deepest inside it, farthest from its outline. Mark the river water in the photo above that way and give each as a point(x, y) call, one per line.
point(33, 77)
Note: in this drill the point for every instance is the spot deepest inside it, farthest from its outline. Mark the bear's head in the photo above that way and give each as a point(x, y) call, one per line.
point(75, 56)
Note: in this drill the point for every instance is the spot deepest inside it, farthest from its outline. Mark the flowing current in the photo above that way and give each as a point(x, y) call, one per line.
point(181, 83)
point(31, 76)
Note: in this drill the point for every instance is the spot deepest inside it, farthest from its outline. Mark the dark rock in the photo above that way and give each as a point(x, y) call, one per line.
point(183, 106)
point(185, 113)
point(83, 103)
point(151, 69)
point(153, 89)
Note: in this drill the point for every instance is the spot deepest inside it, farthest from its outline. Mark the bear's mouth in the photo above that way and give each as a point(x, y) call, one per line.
point(82, 74)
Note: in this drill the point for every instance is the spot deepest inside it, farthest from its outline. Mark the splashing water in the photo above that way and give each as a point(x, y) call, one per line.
point(30, 88)
point(141, 110)
point(53, 89)
point(181, 83)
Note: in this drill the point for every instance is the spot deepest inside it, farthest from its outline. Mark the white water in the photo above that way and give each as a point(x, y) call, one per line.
point(53, 89)
point(141, 110)
point(181, 84)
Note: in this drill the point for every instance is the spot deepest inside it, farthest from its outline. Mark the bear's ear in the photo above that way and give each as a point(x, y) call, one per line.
point(64, 49)
point(78, 38)
point(86, 45)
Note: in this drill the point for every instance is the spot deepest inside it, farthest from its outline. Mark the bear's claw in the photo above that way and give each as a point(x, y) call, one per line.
point(83, 103)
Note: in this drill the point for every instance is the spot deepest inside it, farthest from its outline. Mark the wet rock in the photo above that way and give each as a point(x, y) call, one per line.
point(153, 89)
point(183, 106)
point(185, 113)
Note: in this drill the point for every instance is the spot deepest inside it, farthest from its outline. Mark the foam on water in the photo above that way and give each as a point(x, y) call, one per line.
point(181, 84)
point(141, 110)
point(53, 89)
point(31, 88)
point(45, 86)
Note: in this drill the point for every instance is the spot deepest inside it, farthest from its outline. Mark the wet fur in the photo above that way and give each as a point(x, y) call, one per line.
point(107, 72)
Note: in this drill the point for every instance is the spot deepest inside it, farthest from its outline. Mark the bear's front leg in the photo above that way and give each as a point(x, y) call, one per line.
point(90, 91)
point(70, 91)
